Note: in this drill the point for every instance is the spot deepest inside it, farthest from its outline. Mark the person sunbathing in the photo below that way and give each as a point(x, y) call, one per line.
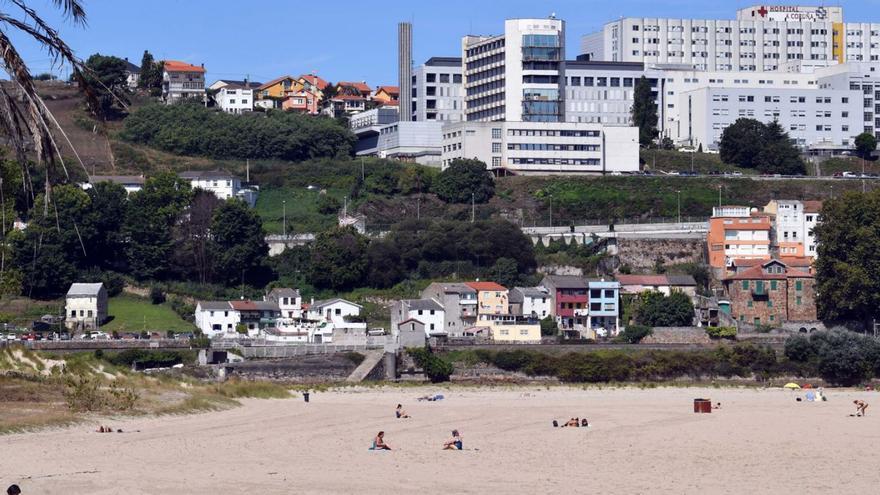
point(572, 422)
point(453, 443)
point(400, 413)
point(379, 442)
point(861, 407)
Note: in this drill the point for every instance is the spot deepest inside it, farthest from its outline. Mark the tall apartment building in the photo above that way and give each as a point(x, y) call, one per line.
point(516, 76)
point(794, 224)
point(760, 39)
point(181, 80)
point(735, 232)
point(437, 91)
point(602, 92)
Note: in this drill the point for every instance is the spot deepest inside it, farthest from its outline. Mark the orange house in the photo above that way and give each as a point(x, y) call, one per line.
point(353, 88)
point(735, 232)
point(277, 88)
point(302, 101)
point(387, 95)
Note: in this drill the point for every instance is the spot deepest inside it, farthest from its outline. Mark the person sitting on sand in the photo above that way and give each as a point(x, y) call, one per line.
point(400, 413)
point(379, 442)
point(453, 443)
point(861, 407)
point(585, 423)
point(13, 490)
point(572, 422)
point(717, 405)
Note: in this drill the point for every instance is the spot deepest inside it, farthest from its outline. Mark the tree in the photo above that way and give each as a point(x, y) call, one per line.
point(847, 272)
point(549, 327)
point(239, 243)
point(505, 272)
point(194, 250)
point(109, 202)
point(644, 112)
point(151, 72)
point(767, 148)
point(741, 142)
point(338, 259)
point(779, 156)
point(633, 334)
point(464, 180)
point(108, 76)
point(659, 310)
point(149, 220)
point(385, 266)
point(865, 143)
point(24, 118)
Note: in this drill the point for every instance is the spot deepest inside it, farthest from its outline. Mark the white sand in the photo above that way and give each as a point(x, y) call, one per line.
point(641, 441)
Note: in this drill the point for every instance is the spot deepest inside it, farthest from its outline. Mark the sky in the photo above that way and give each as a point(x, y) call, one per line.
point(341, 39)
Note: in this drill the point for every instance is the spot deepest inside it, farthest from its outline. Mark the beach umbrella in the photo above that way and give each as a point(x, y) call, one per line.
point(807, 385)
point(791, 385)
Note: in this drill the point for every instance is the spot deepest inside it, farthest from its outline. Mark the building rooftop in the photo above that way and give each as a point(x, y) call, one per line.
point(485, 286)
point(681, 280)
point(117, 179)
point(215, 305)
point(315, 81)
point(567, 281)
point(444, 62)
point(327, 302)
point(284, 292)
point(177, 66)
point(275, 81)
point(652, 280)
point(423, 304)
point(81, 289)
point(456, 288)
point(206, 175)
point(361, 86)
point(604, 65)
point(240, 84)
point(812, 206)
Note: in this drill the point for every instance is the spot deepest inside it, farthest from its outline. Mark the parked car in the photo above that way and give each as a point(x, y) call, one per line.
point(687, 149)
point(850, 175)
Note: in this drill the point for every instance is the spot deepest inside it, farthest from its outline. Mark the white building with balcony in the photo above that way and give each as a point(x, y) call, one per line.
point(234, 96)
point(181, 81)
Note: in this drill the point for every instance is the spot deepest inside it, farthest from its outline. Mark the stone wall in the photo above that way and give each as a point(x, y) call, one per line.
point(641, 254)
point(305, 369)
point(677, 335)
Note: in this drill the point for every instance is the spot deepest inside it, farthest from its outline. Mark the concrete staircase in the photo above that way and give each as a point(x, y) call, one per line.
point(363, 370)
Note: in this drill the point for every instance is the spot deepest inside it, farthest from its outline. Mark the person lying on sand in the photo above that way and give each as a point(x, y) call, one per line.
point(400, 413)
point(379, 442)
point(453, 443)
point(572, 422)
point(861, 407)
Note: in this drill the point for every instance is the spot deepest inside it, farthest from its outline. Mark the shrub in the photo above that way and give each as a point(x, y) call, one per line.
point(721, 332)
point(156, 295)
point(146, 358)
point(549, 326)
point(436, 368)
point(633, 334)
point(355, 357)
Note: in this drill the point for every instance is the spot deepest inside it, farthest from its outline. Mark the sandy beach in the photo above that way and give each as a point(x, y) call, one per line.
point(640, 441)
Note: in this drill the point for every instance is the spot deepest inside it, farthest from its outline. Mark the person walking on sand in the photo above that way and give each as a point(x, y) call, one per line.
point(379, 442)
point(400, 413)
point(861, 407)
point(453, 443)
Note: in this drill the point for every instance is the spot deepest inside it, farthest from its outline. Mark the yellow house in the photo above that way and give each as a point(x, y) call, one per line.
point(492, 298)
point(509, 328)
point(278, 88)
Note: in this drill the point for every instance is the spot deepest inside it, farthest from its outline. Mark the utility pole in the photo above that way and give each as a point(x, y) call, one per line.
point(362, 169)
point(418, 208)
point(551, 210)
point(692, 160)
point(678, 193)
point(473, 208)
point(863, 175)
point(284, 218)
point(719, 195)
point(247, 171)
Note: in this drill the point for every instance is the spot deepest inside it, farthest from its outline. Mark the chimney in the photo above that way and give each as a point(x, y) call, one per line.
point(203, 65)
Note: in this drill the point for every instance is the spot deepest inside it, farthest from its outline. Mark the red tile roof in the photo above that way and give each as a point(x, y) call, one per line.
point(757, 273)
point(349, 97)
point(642, 280)
point(796, 260)
point(315, 80)
point(177, 66)
point(391, 90)
point(812, 206)
point(360, 86)
point(275, 81)
point(485, 286)
point(243, 305)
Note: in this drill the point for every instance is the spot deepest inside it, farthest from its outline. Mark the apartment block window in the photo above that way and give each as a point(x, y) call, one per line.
point(496, 133)
point(575, 81)
point(456, 78)
point(496, 161)
point(444, 78)
point(431, 77)
point(496, 147)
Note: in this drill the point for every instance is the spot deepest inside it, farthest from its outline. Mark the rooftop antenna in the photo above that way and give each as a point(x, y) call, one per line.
point(553, 15)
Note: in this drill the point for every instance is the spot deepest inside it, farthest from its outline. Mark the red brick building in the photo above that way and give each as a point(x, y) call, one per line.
point(570, 299)
point(772, 293)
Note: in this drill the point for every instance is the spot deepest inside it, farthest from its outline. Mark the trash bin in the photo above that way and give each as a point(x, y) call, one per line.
point(306, 396)
point(702, 406)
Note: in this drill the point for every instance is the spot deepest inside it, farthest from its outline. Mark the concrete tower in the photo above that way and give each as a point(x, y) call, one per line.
point(404, 69)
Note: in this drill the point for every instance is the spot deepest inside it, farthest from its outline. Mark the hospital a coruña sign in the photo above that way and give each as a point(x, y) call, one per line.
point(792, 13)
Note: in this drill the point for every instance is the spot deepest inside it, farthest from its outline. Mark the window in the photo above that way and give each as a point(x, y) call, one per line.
point(749, 304)
point(798, 300)
point(609, 294)
point(444, 78)
point(496, 147)
point(769, 303)
point(420, 312)
point(432, 326)
point(338, 311)
point(595, 293)
point(799, 285)
point(496, 133)
point(523, 331)
point(773, 285)
point(595, 306)
point(73, 313)
point(745, 285)
point(431, 77)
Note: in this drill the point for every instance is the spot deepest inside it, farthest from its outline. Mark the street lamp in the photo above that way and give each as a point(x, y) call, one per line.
point(551, 210)
point(473, 208)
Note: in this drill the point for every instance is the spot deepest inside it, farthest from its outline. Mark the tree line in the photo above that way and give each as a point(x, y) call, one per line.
point(191, 129)
point(166, 231)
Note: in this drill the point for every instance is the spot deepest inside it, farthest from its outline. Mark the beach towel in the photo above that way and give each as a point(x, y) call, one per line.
point(811, 397)
point(438, 397)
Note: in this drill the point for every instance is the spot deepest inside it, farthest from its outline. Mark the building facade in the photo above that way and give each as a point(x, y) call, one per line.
point(85, 306)
point(533, 302)
point(570, 300)
point(734, 232)
point(603, 317)
point(772, 294)
point(492, 298)
point(516, 76)
point(235, 98)
point(794, 222)
point(181, 80)
point(543, 148)
point(428, 312)
point(459, 303)
point(437, 90)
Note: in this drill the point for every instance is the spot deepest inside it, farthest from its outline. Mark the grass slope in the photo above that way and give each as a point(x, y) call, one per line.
point(132, 314)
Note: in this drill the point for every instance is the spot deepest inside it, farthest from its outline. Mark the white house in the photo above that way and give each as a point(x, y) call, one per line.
point(333, 310)
point(86, 306)
point(131, 183)
point(216, 318)
point(428, 312)
point(289, 302)
point(224, 185)
point(531, 301)
point(132, 74)
point(234, 96)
